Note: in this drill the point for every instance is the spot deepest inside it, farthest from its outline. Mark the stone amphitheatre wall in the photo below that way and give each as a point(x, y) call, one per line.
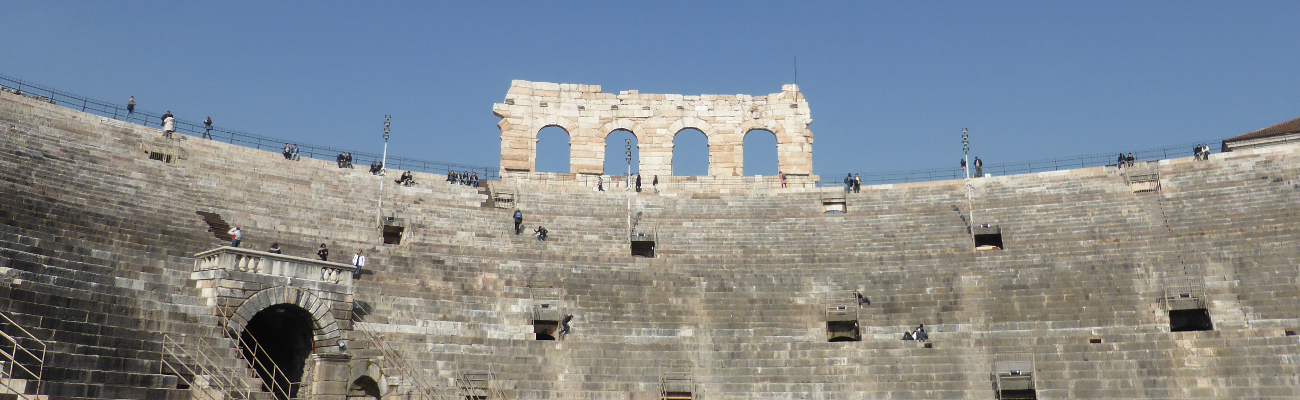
point(589, 116)
point(97, 244)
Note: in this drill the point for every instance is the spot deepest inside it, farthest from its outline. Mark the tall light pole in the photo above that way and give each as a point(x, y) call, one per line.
point(628, 147)
point(970, 204)
point(383, 166)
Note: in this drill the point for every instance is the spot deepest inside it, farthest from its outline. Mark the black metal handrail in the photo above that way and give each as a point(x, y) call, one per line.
point(197, 129)
point(1014, 168)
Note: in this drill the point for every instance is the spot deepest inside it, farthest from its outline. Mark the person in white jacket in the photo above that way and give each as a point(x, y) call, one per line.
point(169, 126)
point(358, 261)
point(235, 235)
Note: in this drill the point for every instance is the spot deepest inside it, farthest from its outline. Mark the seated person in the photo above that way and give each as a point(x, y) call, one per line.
point(541, 233)
point(407, 179)
point(473, 180)
point(920, 334)
point(451, 177)
point(275, 248)
point(376, 168)
point(342, 160)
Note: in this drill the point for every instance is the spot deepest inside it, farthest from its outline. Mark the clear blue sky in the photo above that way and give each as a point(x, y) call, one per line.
point(890, 84)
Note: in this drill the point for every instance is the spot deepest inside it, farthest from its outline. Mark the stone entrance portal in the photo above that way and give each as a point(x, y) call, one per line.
point(589, 116)
point(279, 338)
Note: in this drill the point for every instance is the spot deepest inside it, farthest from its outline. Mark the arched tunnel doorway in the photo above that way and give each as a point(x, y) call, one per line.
point(364, 388)
point(277, 341)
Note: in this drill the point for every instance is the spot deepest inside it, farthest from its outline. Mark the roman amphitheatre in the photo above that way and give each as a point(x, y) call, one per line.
point(1171, 278)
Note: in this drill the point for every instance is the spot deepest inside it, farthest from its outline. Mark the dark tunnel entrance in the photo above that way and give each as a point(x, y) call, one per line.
point(277, 342)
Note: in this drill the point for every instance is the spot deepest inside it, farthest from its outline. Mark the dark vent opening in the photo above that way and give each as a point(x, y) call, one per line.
point(393, 234)
point(164, 157)
point(1289, 333)
point(989, 241)
point(1017, 394)
point(546, 330)
point(1094, 341)
point(1197, 319)
point(843, 331)
point(643, 248)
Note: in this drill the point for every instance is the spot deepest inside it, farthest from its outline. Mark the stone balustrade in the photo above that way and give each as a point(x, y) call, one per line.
point(264, 263)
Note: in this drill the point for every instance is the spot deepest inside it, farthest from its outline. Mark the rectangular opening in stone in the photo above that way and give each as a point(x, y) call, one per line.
point(643, 248)
point(164, 157)
point(988, 237)
point(842, 321)
point(677, 396)
point(1197, 319)
point(393, 234)
point(546, 330)
point(834, 207)
point(843, 331)
point(1289, 333)
point(1094, 341)
point(1013, 376)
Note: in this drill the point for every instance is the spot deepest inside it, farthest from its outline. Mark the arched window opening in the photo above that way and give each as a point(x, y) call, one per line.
point(690, 153)
point(364, 387)
point(760, 153)
point(616, 153)
point(553, 150)
point(277, 342)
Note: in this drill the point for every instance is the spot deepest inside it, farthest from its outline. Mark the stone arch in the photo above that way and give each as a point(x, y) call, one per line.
point(365, 387)
point(635, 128)
point(621, 124)
point(738, 141)
point(710, 134)
point(325, 329)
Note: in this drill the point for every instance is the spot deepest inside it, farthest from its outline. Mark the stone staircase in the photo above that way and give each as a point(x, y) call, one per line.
point(732, 298)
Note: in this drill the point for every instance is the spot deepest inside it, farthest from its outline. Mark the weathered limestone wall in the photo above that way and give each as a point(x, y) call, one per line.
point(589, 116)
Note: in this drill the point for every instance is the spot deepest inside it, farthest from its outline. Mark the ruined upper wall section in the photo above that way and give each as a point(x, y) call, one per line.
point(590, 116)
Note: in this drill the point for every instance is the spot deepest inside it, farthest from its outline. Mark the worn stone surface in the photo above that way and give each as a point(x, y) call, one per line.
point(97, 246)
point(589, 116)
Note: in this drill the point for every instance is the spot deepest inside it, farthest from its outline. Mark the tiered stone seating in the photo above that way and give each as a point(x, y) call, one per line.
point(96, 245)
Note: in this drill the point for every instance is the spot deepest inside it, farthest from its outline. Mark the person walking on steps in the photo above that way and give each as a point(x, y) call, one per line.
point(519, 220)
point(655, 184)
point(236, 234)
point(857, 183)
point(358, 261)
point(323, 253)
point(861, 300)
point(600, 183)
point(564, 325)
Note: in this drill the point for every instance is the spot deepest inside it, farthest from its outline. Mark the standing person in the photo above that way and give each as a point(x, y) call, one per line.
point(848, 182)
point(979, 167)
point(638, 182)
point(861, 300)
point(130, 106)
point(169, 126)
point(358, 260)
point(207, 128)
point(857, 183)
point(236, 234)
point(519, 220)
point(167, 115)
point(600, 183)
point(323, 253)
point(655, 184)
point(781, 175)
point(963, 164)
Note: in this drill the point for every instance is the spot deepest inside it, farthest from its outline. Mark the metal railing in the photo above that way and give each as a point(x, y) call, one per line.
point(28, 362)
point(424, 389)
point(1015, 168)
point(190, 364)
point(197, 129)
